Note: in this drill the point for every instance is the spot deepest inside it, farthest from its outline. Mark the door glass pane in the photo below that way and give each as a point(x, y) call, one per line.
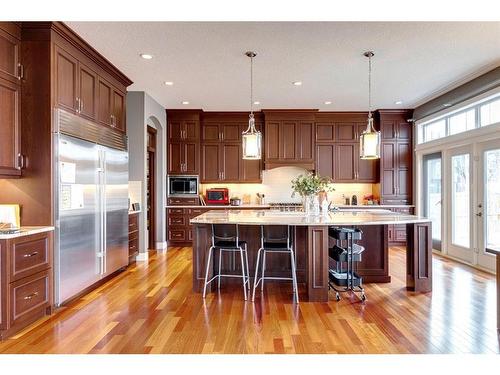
point(460, 201)
point(490, 113)
point(462, 122)
point(432, 189)
point(492, 196)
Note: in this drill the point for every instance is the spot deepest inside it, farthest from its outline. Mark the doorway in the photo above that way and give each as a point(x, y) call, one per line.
point(150, 186)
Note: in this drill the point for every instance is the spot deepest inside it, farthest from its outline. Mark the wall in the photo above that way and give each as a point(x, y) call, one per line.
point(277, 187)
point(142, 110)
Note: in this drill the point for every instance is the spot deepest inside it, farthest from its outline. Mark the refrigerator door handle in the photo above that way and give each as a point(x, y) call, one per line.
point(102, 235)
point(104, 215)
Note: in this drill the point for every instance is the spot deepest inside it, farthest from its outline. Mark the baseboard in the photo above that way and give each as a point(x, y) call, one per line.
point(142, 257)
point(161, 245)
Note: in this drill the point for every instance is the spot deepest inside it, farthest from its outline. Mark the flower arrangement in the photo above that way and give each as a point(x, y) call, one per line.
point(311, 184)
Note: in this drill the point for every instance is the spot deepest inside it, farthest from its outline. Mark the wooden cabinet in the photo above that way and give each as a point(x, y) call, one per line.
point(10, 100)
point(80, 90)
point(221, 149)
point(289, 139)
point(183, 142)
point(26, 281)
point(396, 157)
point(133, 236)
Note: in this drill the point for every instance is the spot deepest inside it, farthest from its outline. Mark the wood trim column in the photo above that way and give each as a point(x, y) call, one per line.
point(317, 263)
point(201, 243)
point(419, 257)
point(498, 291)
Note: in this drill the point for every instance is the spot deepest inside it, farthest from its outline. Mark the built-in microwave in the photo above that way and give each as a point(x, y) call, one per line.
point(182, 185)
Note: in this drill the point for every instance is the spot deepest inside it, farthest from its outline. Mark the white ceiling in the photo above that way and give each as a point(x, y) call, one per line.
point(414, 61)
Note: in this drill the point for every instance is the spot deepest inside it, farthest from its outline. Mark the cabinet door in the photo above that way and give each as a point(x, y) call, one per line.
point(118, 110)
point(404, 131)
point(367, 170)
point(346, 162)
point(404, 165)
point(325, 155)
point(105, 106)
point(175, 130)
point(9, 56)
point(272, 139)
point(305, 141)
point(10, 136)
point(231, 156)
point(251, 171)
point(175, 157)
point(210, 133)
point(389, 130)
point(325, 132)
point(88, 92)
point(288, 141)
point(346, 132)
point(210, 163)
point(66, 80)
point(191, 130)
point(230, 132)
point(191, 157)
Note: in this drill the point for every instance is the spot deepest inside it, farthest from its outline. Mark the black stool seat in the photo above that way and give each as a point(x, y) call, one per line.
point(275, 246)
point(229, 244)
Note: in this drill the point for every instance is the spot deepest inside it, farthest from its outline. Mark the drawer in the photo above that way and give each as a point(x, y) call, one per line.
point(133, 247)
point(133, 235)
point(29, 295)
point(193, 212)
point(179, 221)
point(133, 222)
point(176, 211)
point(177, 235)
point(30, 255)
point(183, 201)
point(400, 233)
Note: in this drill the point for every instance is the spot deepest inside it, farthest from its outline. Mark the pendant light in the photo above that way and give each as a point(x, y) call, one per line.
point(252, 139)
point(370, 138)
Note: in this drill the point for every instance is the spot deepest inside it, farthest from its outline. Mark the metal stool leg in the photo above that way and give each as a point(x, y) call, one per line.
point(256, 278)
point(243, 273)
point(263, 269)
point(248, 268)
point(294, 276)
point(206, 272)
point(220, 266)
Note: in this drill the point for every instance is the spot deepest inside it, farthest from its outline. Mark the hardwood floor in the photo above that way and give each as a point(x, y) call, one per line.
point(149, 308)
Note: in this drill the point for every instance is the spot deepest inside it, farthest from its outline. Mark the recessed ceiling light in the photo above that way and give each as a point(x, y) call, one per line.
point(328, 102)
point(447, 105)
point(169, 83)
point(185, 102)
point(297, 83)
point(146, 56)
point(256, 102)
point(398, 102)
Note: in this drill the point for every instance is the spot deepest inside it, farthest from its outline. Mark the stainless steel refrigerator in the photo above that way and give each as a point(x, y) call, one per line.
point(91, 215)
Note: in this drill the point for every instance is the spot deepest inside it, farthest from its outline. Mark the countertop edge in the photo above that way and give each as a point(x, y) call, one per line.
point(27, 231)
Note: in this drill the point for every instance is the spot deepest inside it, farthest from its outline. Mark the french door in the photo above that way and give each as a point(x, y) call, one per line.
point(433, 195)
point(473, 202)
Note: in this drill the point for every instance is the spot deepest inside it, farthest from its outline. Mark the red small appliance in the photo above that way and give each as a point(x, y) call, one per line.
point(217, 196)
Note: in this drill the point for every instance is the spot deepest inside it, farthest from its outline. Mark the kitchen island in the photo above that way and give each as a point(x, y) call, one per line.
point(311, 244)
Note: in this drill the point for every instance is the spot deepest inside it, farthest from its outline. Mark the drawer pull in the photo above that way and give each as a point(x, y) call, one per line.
point(30, 296)
point(131, 225)
point(132, 247)
point(30, 255)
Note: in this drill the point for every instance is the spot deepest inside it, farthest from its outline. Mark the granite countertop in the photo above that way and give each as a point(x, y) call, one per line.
point(26, 231)
point(243, 206)
point(131, 212)
point(266, 217)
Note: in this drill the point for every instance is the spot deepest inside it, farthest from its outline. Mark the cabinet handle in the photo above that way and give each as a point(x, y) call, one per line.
point(77, 105)
point(30, 296)
point(20, 161)
point(21, 71)
point(81, 105)
point(30, 255)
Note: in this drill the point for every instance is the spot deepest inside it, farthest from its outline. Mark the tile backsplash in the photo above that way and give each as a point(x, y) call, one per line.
point(276, 185)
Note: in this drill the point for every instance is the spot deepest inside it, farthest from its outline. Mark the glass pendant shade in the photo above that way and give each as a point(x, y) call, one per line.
point(252, 141)
point(369, 147)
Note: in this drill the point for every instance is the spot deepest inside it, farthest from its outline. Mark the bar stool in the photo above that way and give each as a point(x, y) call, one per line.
point(275, 239)
point(225, 238)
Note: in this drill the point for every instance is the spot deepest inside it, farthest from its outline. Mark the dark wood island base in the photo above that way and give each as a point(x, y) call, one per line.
point(311, 247)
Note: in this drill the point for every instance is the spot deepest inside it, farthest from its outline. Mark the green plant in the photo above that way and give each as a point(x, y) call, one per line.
point(311, 184)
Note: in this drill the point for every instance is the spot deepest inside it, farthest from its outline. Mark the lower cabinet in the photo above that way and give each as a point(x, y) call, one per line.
point(26, 281)
point(133, 236)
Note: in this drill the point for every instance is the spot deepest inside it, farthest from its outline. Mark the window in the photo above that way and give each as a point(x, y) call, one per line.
point(490, 113)
point(483, 112)
point(462, 122)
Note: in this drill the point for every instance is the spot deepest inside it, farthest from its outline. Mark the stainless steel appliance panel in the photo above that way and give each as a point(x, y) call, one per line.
point(77, 217)
point(115, 203)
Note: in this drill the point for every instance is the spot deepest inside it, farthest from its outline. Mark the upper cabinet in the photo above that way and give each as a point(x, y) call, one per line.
point(183, 142)
point(11, 70)
point(396, 156)
point(289, 139)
